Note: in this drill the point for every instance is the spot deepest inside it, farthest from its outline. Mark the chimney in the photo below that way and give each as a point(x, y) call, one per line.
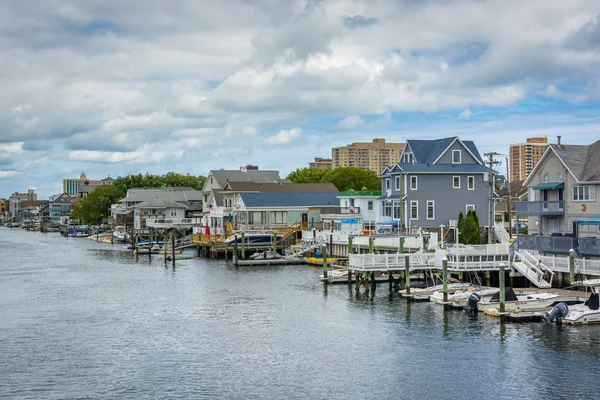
point(558, 141)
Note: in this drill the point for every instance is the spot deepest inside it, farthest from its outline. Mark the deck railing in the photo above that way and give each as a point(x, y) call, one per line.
point(532, 208)
point(547, 244)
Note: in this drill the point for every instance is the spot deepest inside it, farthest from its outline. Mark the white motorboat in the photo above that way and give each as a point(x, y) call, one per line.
point(120, 234)
point(460, 297)
point(580, 314)
point(265, 255)
point(426, 292)
point(523, 300)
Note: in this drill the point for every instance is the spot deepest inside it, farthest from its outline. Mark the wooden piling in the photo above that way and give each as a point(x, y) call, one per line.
point(166, 240)
point(324, 252)
point(445, 277)
point(401, 248)
point(501, 285)
point(373, 282)
point(235, 249)
point(407, 273)
point(274, 244)
point(243, 245)
point(571, 266)
point(150, 243)
point(371, 240)
point(172, 246)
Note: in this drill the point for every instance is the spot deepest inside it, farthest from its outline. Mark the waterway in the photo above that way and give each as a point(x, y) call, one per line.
point(80, 319)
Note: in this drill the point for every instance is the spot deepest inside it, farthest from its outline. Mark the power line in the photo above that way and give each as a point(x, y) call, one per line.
point(491, 162)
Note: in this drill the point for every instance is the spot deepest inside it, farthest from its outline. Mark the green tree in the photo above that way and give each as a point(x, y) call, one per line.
point(460, 226)
point(343, 178)
point(171, 179)
point(308, 175)
point(96, 205)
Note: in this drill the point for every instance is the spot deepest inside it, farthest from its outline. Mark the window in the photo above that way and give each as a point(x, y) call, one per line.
point(559, 177)
point(211, 180)
point(173, 212)
point(546, 178)
point(397, 183)
point(414, 209)
point(456, 156)
point(430, 209)
point(584, 193)
point(407, 158)
point(471, 183)
point(205, 198)
point(470, 207)
point(369, 225)
point(387, 184)
point(553, 226)
point(279, 217)
point(370, 205)
point(456, 182)
point(396, 210)
point(388, 209)
point(257, 217)
point(413, 183)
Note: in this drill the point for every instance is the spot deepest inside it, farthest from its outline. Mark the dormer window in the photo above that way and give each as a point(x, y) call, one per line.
point(407, 158)
point(456, 156)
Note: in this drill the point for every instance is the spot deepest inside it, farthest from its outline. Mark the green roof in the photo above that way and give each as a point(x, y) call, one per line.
point(549, 186)
point(356, 193)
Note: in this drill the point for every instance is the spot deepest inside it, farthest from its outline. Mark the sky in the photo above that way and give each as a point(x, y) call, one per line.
point(112, 88)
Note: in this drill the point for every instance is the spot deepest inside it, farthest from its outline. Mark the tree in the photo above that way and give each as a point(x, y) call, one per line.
point(171, 179)
point(343, 178)
point(460, 226)
point(468, 228)
point(96, 205)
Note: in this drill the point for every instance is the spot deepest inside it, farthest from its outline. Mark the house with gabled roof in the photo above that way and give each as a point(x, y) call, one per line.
point(216, 181)
point(433, 182)
point(563, 195)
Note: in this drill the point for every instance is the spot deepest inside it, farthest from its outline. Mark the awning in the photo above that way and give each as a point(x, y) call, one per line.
point(590, 221)
point(350, 221)
point(549, 186)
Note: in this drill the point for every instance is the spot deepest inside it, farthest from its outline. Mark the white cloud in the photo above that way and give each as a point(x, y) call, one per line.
point(15, 147)
point(347, 124)
point(466, 114)
point(284, 136)
point(8, 174)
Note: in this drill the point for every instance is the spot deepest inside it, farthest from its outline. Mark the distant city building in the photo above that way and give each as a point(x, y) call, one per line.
point(71, 186)
point(3, 209)
point(374, 156)
point(86, 186)
point(524, 156)
point(321, 163)
point(14, 202)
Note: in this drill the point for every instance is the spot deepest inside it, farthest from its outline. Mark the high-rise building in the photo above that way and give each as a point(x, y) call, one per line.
point(71, 186)
point(321, 163)
point(524, 156)
point(374, 156)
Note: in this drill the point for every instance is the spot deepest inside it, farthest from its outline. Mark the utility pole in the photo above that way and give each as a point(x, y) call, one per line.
point(491, 163)
point(509, 201)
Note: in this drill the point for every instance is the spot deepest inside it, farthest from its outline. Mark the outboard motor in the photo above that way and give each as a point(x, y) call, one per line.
point(474, 299)
point(557, 313)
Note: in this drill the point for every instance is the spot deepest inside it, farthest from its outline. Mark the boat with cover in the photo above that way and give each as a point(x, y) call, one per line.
point(523, 300)
point(259, 238)
point(120, 234)
point(461, 296)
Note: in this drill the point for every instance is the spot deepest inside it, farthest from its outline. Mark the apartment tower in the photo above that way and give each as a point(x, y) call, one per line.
point(524, 156)
point(374, 156)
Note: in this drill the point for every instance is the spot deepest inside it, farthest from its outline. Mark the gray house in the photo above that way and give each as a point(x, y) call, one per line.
point(433, 182)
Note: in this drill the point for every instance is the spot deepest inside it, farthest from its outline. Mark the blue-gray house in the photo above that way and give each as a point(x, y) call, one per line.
point(436, 180)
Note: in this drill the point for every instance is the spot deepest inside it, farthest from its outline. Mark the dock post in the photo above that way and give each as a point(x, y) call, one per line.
point(350, 251)
point(172, 246)
point(324, 252)
point(166, 240)
point(331, 244)
point(407, 273)
point(274, 244)
point(571, 266)
point(401, 248)
point(136, 241)
point(150, 241)
point(501, 284)
point(371, 245)
point(235, 244)
point(373, 282)
point(445, 277)
point(243, 245)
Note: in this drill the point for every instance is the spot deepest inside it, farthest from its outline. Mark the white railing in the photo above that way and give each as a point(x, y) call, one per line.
point(479, 249)
point(172, 222)
point(379, 262)
point(501, 232)
point(527, 266)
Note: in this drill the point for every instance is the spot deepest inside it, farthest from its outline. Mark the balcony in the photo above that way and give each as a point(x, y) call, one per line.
point(340, 210)
point(537, 208)
point(173, 222)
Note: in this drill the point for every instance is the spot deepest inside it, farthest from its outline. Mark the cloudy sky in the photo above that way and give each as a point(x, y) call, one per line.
point(111, 87)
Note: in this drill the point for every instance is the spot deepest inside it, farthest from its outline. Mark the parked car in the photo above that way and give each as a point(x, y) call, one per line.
point(523, 228)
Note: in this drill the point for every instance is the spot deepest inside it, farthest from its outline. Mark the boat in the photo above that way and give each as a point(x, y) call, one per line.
point(263, 255)
point(515, 301)
point(259, 238)
point(460, 297)
point(579, 314)
point(338, 276)
point(120, 234)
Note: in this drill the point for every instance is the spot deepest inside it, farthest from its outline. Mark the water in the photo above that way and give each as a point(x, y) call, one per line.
point(80, 319)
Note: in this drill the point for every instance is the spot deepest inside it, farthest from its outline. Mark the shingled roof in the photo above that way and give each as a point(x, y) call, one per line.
point(582, 160)
point(427, 151)
point(280, 187)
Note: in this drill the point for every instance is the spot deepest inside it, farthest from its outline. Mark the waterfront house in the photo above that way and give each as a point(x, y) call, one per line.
point(296, 211)
point(189, 197)
point(365, 203)
point(434, 181)
point(158, 210)
point(60, 207)
point(218, 179)
point(563, 189)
